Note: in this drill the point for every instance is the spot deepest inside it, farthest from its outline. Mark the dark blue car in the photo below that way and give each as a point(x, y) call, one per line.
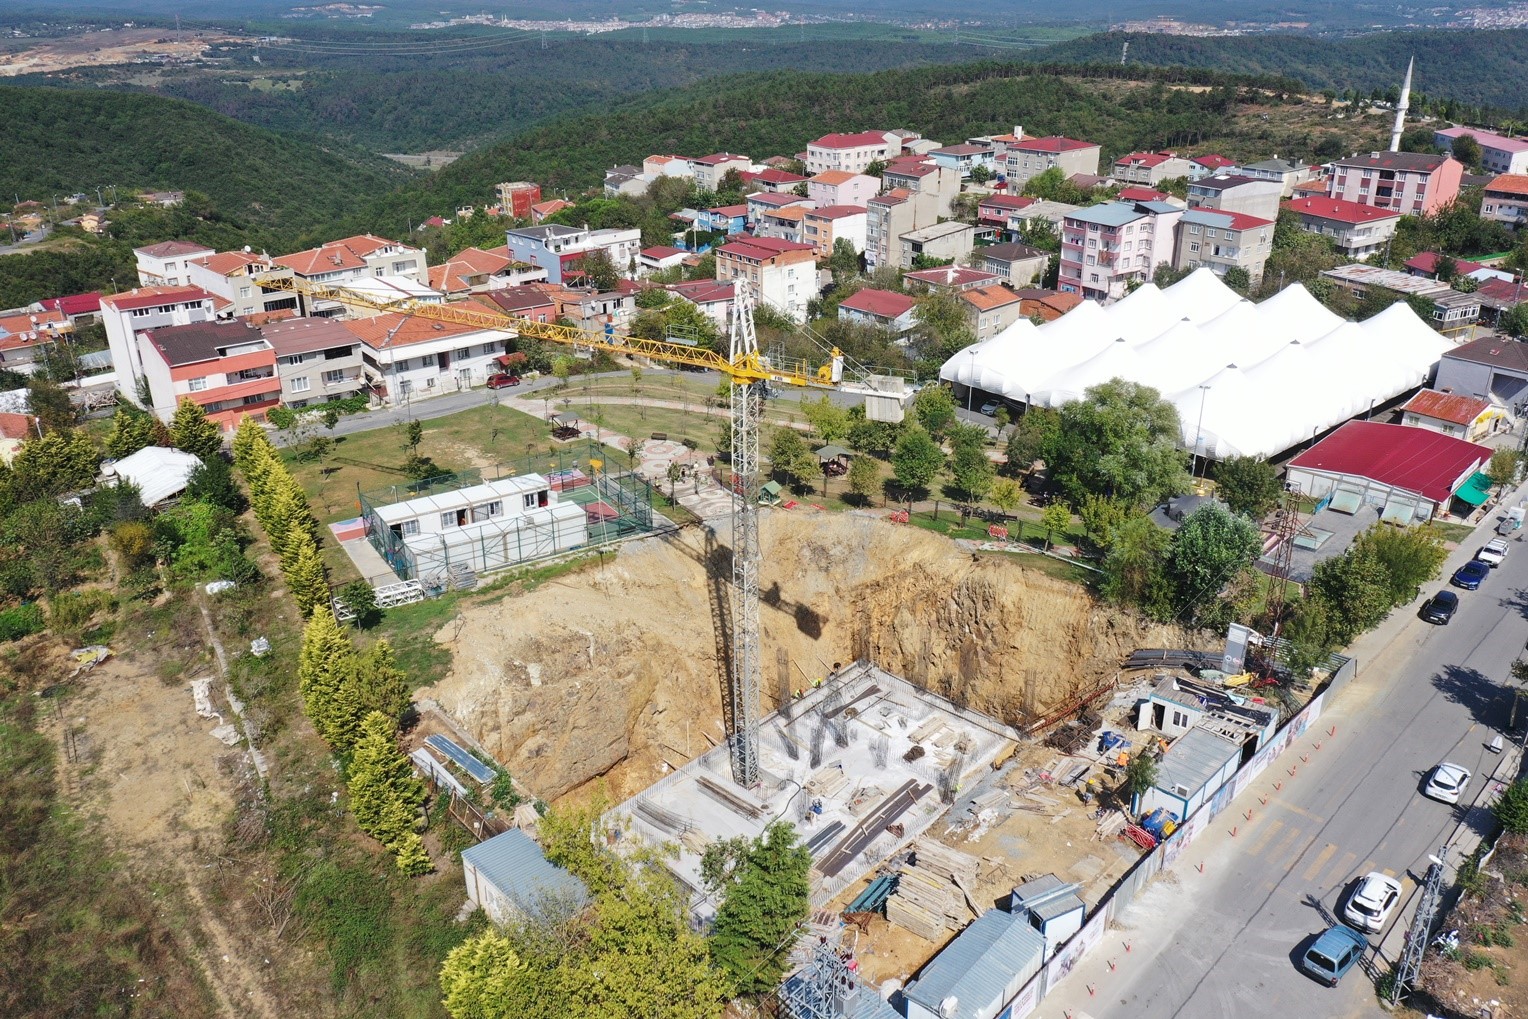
point(1471, 574)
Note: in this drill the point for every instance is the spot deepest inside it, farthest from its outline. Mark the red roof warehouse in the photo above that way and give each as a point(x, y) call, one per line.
point(1385, 464)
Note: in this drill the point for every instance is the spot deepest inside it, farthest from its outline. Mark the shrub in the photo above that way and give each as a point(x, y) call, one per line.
point(70, 611)
point(21, 621)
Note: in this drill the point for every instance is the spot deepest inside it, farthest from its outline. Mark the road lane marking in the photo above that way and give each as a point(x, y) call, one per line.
point(1319, 862)
point(1281, 852)
point(1344, 864)
point(1264, 837)
point(1301, 812)
point(1367, 866)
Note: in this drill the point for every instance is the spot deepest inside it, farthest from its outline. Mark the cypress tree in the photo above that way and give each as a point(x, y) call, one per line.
point(384, 792)
point(305, 575)
point(325, 650)
point(193, 432)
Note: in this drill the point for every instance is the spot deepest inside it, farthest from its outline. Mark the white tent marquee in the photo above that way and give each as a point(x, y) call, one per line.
point(1265, 376)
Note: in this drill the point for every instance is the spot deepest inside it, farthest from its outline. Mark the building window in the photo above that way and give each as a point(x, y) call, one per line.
point(293, 359)
point(530, 501)
point(409, 527)
point(1193, 229)
point(1193, 245)
point(334, 378)
point(464, 352)
point(1180, 720)
point(196, 385)
point(496, 509)
point(448, 519)
point(300, 384)
point(244, 291)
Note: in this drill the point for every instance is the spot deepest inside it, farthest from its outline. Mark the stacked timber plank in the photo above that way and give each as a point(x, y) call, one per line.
point(931, 897)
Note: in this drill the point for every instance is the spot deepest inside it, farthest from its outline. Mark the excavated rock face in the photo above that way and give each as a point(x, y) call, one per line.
point(617, 672)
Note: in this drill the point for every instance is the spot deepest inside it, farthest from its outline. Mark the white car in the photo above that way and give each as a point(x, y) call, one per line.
point(990, 407)
point(1371, 902)
point(1493, 552)
point(1446, 783)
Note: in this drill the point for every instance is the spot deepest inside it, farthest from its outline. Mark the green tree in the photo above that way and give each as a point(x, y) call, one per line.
point(877, 437)
point(864, 478)
point(601, 272)
point(970, 468)
point(132, 429)
point(50, 403)
point(1100, 516)
point(1211, 547)
point(562, 367)
point(1515, 321)
point(1410, 557)
point(768, 897)
point(361, 598)
point(844, 262)
point(1140, 774)
point(829, 420)
point(1354, 589)
point(56, 463)
point(1005, 495)
point(944, 325)
point(385, 794)
point(1467, 150)
point(1502, 469)
point(1120, 441)
point(934, 407)
point(1511, 808)
point(321, 664)
point(1055, 519)
point(192, 432)
point(790, 458)
point(1134, 568)
point(917, 459)
point(1248, 484)
point(480, 975)
point(213, 482)
point(1309, 636)
point(410, 855)
point(1031, 438)
point(413, 435)
point(1238, 279)
point(378, 684)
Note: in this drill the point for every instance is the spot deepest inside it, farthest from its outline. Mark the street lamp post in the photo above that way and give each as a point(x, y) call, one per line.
point(1204, 392)
point(971, 385)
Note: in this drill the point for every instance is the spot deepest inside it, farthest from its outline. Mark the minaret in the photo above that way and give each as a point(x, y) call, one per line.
point(1400, 108)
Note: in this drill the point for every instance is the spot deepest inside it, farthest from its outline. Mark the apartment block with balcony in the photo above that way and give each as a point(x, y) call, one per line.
point(166, 264)
point(1225, 192)
point(346, 260)
point(938, 184)
point(1211, 165)
point(783, 274)
point(228, 368)
point(1289, 173)
point(233, 275)
point(966, 157)
point(408, 358)
point(1030, 157)
point(764, 202)
point(1506, 200)
point(1107, 247)
point(1358, 231)
point(128, 315)
point(1410, 183)
point(823, 227)
point(838, 187)
point(1223, 241)
point(947, 241)
point(851, 153)
point(317, 360)
point(709, 170)
point(1499, 153)
point(1149, 168)
point(560, 250)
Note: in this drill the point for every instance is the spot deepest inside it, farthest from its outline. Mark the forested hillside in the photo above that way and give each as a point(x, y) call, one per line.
point(1473, 68)
point(764, 115)
point(57, 142)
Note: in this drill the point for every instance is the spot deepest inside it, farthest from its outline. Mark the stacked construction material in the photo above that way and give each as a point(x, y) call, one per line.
point(931, 897)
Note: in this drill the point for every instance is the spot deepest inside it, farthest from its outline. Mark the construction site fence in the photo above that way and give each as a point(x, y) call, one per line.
point(1134, 881)
point(480, 824)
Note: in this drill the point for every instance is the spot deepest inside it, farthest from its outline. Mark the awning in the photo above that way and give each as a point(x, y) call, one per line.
point(1398, 512)
point(1475, 491)
point(1345, 501)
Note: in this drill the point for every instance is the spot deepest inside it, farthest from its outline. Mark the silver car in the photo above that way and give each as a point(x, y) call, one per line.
point(1446, 783)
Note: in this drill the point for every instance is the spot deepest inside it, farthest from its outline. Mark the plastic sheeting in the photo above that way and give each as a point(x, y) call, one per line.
point(1279, 373)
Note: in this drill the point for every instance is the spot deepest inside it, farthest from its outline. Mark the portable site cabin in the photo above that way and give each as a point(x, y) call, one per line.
point(484, 527)
point(509, 876)
point(1051, 907)
point(980, 972)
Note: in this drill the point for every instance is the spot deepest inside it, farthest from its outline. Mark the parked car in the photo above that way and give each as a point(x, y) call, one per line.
point(990, 407)
point(1334, 952)
point(1440, 608)
point(1470, 575)
point(1446, 783)
point(1371, 902)
point(501, 380)
point(1493, 552)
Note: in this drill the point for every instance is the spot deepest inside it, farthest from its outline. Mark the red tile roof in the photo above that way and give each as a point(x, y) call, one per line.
point(887, 304)
point(1427, 262)
point(19, 330)
point(150, 297)
point(1050, 143)
point(346, 253)
point(835, 212)
point(731, 211)
point(171, 249)
point(1005, 202)
point(1411, 459)
point(717, 158)
point(1451, 407)
point(374, 331)
point(16, 426)
point(1414, 161)
point(703, 291)
point(850, 141)
point(660, 251)
point(988, 298)
point(1144, 159)
point(919, 169)
point(1139, 194)
point(1338, 210)
point(774, 176)
point(1214, 162)
point(1510, 183)
point(75, 304)
point(450, 277)
point(1239, 220)
point(225, 262)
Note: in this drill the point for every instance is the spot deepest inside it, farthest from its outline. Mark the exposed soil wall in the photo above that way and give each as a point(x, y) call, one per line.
point(616, 672)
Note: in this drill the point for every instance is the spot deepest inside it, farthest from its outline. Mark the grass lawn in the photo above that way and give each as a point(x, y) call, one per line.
point(1453, 532)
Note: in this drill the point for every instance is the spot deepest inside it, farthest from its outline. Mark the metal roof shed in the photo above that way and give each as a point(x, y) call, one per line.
point(979, 972)
point(508, 875)
point(1052, 908)
point(1191, 771)
point(158, 471)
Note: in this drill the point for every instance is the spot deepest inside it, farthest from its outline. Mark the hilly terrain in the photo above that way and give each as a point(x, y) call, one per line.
point(58, 141)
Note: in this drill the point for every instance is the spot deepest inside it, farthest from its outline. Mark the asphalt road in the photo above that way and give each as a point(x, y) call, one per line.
point(1434, 693)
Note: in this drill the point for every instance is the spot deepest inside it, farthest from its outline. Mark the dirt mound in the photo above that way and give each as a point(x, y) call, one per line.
point(616, 672)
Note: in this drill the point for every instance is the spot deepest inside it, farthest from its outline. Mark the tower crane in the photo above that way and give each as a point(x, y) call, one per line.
point(749, 372)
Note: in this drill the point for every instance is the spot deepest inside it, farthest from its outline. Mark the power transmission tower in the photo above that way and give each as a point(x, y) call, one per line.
point(822, 989)
point(1285, 528)
point(1410, 966)
point(747, 408)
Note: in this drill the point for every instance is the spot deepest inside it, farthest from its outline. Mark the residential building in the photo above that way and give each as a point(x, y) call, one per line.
point(1106, 247)
point(1451, 310)
point(764, 202)
point(24, 334)
point(560, 250)
point(1226, 192)
point(881, 309)
point(949, 241)
point(228, 368)
point(164, 199)
point(1357, 230)
point(724, 219)
point(1141, 193)
point(1030, 157)
point(1489, 367)
point(839, 187)
point(783, 274)
point(527, 302)
point(1201, 167)
point(1498, 152)
point(851, 153)
point(542, 211)
point(709, 170)
point(233, 276)
point(477, 270)
point(410, 358)
point(75, 306)
point(784, 224)
point(936, 186)
point(994, 210)
point(991, 309)
point(593, 309)
point(128, 315)
point(342, 262)
point(660, 257)
point(824, 226)
point(1505, 200)
point(317, 360)
point(1411, 183)
point(668, 166)
point(1018, 265)
point(714, 299)
point(517, 197)
point(1288, 172)
point(1223, 241)
point(966, 157)
point(772, 180)
point(953, 278)
point(1149, 167)
point(1054, 213)
point(15, 429)
point(373, 293)
point(1425, 264)
point(1049, 305)
point(625, 180)
point(1406, 473)
point(1471, 418)
point(165, 264)
point(887, 218)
